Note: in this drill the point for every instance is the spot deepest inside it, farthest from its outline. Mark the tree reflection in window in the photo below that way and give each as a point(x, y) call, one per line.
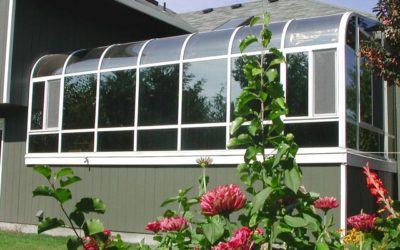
point(158, 95)
point(37, 105)
point(351, 84)
point(117, 98)
point(297, 84)
point(365, 92)
point(79, 102)
point(204, 92)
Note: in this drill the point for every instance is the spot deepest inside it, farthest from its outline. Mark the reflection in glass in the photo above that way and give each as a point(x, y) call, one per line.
point(391, 111)
point(37, 105)
point(153, 140)
point(351, 84)
point(370, 141)
point(351, 135)
point(204, 92)
point(377, 99)
point(122, 55)
point(163, 50)
point(79, 102)
point(85, 60)
point(365, 92)
point(203, 138)
point(47, 143)
point(158, 95)
point(325, 81)
point(117, 98)
point(77, 142)
point(318, 134)
point(297, 84)
point(351, 33)
point(50, 65)
point(115, 141)
point(214, 43)
point(53, 103)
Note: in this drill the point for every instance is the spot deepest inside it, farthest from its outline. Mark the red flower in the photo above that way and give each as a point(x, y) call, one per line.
point(326, 203)
point(90, 243)
point(222, 200)
point(107, 232)
point(375, 185)
point(153, 226)
point(176, 223)
point(362, 222)
point(241, 240)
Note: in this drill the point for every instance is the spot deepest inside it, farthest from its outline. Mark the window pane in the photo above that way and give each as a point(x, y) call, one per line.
point(370, 141)
point(365, 92)
point(115, 141)
point(214, 43)
point(79, 102)
point(85, 60)
point(351, 135)
point(325, 81)
point(312, 31)
point(391, 112)
point(117, 98)
point(37, 105)
point(43, 143)
point(77, 142)
point(321, 134)
point(351, 85)
point(122, 55)
point(53, 104)
point(377, 101)
point(203, 138)
point(297, 84)
point(158, 95)
point(153, 140)
point(204, 92)
point(163, 49)
point(50, 65)
point(351, 33)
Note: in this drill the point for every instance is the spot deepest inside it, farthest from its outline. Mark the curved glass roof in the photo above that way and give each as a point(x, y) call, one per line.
point(296, 33)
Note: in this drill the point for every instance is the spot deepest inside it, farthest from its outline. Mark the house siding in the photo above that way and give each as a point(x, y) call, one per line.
point(4, 5)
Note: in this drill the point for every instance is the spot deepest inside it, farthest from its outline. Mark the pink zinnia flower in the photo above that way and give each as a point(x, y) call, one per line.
point(176, 223)
point(326, 203)
point(107, 232)
point(362, 222)
point(90, 243)
point(222, 200)
point(241, 240)
point(153, 226)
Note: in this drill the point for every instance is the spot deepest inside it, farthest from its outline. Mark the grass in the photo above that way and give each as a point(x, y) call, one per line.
point(21, 241)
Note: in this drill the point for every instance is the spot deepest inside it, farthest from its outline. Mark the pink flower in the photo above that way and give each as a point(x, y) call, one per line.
point(222, 200)
point(153, 226)
point(241, 240)
point(176, 223)
point(326, 203)
point(107, 232)
point(90, 243)
point(362, 222)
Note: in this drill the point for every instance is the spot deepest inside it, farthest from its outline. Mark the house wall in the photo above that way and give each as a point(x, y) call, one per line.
point(45, 27)
point(3, 42)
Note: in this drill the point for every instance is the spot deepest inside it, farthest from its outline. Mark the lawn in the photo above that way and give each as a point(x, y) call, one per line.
point(20, 241)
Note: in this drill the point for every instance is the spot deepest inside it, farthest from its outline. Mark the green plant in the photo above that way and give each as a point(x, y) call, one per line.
point(95, 235)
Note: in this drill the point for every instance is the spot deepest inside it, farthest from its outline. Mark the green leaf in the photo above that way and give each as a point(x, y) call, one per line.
point(69, 180)
point(73, 244)
point(267, 19)
point(255, 127)
point(43, 170)
point(49, 223)
point(292, 179)
point(243, 167)
point(248, 40)
point(251, 153)
point(260, 198)
point(43, 190)
point(169, 200)
point(283, 148)
point(88, 205)
point(62, 195)
point(93, 226)
point(236, 124)
point(64, 172)
point(213, 231)
point(322, 246)
point(295, 221)
point(77, 217)
point(312, 223)
point(281, 102)
point(276, 61)
point(271, 74)
point(278, 54)
point(266, 37)
point(256, 71)
point(254, 20)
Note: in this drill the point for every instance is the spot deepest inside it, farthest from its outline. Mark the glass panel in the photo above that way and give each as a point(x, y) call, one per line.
point(79, 102)
point(369, 141)
point(115, 141)
point(117, 98)
point(53, 103)
point(37, 105)
point(43, 143)
point(214, 43)
point(122, 55)
point(85, 60)
point(203, 138)
point(351, 33)
point(377, 101)
point(391, 112)
point(313, 31)
point(392, 148)
point(351, 85)
point(320, 134)
point(234, 23)
point(163, 49)
point(77, 142)
point(351, 135)
point(297, 84)
point(50, 65)
point(365, 92)
point(204, 92)
point(325, 81)
point(153, 140)
point(276, 29)
point(158, 95)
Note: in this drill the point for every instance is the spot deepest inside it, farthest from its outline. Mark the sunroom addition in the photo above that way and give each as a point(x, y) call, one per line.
point(171, 100)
